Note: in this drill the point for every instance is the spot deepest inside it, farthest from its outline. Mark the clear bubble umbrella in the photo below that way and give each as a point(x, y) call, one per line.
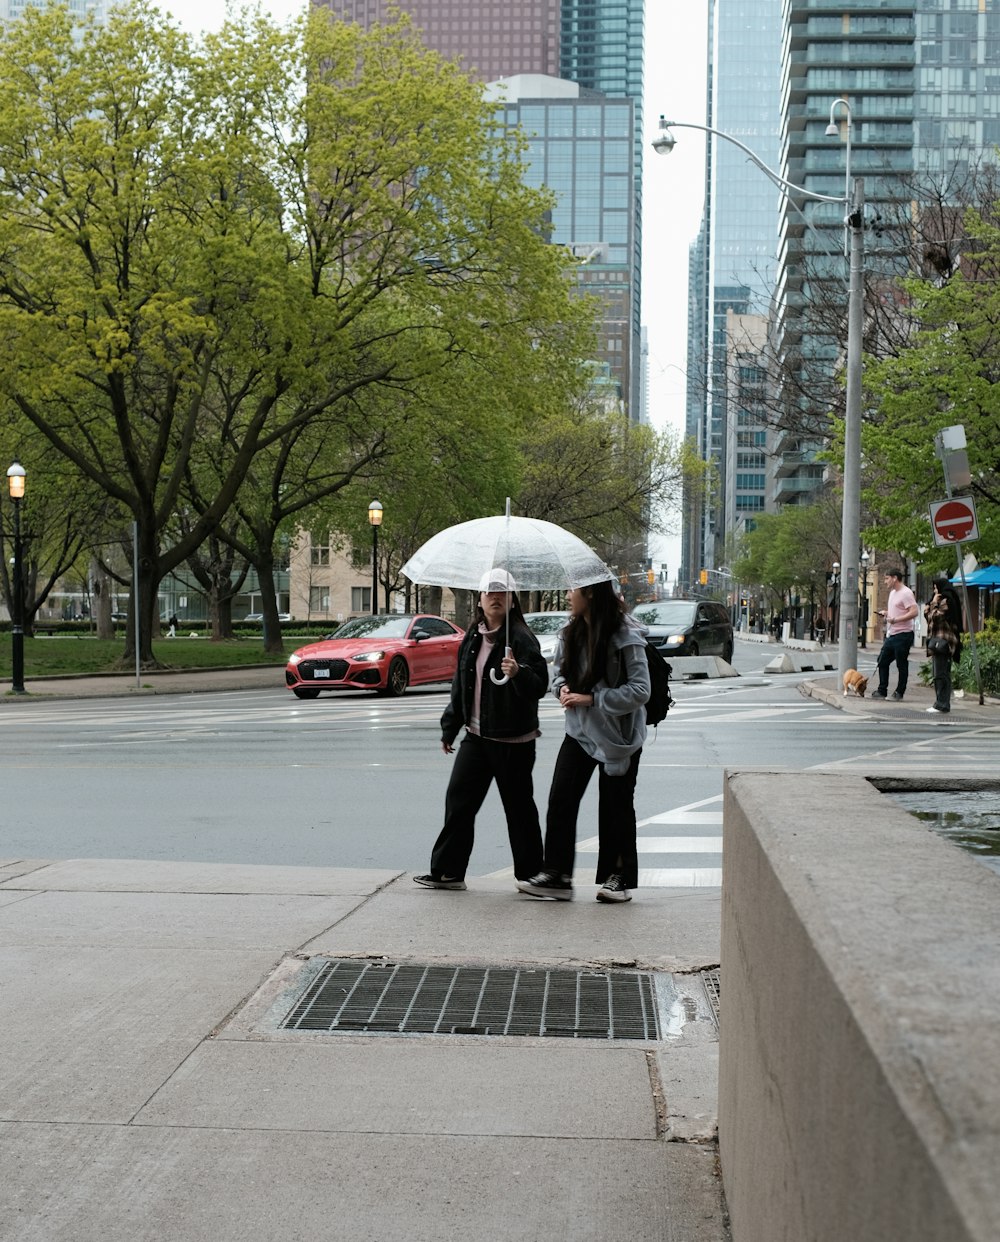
point(538, 556)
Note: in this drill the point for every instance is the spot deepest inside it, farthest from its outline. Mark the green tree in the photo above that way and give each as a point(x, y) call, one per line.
point(789, 553)
point(210, 250)
point(610, 481)
point(948, 373)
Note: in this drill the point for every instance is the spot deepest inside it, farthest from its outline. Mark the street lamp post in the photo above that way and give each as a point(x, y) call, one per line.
point(853, 203)
point(375, 518)
point(15, 485)
point(864, 599)
point(835, 598)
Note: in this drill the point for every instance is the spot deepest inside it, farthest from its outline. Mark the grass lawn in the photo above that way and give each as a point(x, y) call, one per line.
point(57, 656)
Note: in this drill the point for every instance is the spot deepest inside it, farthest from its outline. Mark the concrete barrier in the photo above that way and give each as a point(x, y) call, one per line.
point(699, 666)
point(859, 1076)
point(816, 661)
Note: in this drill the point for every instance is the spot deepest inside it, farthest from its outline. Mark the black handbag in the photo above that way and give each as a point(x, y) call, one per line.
point(939, 646)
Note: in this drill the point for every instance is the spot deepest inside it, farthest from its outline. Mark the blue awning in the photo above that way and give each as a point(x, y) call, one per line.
point(984, 576)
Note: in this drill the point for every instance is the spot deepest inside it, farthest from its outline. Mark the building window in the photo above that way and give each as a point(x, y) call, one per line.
point(361, 599)
point(319, 599)
point(319, 554)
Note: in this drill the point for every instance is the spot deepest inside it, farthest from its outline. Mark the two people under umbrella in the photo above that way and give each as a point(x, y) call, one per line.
point(601, 679)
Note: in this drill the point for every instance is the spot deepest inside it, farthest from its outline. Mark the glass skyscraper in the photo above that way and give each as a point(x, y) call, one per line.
point(580, 145)
point(596, 44)
point(738, 245)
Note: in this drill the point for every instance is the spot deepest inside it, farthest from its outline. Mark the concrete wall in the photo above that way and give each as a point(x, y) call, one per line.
point(859, 1077)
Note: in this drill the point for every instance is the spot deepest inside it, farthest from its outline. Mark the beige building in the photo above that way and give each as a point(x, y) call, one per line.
point(327, 583)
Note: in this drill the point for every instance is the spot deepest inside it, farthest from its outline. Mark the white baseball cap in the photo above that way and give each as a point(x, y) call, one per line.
point(497, 580)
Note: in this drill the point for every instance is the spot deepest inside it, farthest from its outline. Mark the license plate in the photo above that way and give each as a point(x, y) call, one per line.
point(321, 672)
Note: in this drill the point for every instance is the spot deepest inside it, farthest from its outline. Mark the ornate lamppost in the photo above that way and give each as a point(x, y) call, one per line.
point(15, 485)
point(375, 518)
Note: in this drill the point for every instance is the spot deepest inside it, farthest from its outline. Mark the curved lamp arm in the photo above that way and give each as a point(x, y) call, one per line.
point(664, 144)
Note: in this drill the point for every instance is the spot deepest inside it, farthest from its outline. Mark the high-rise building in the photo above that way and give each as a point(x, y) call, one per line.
point(580, 146)
point(596, 45)
point(11, 10)
point(863, 53)
point(737, 249)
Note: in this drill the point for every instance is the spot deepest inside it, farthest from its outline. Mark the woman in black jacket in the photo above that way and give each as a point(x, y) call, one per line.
point(501, 725)
point(944, 640)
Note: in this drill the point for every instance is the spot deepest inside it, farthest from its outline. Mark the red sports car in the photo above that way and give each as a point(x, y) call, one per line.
point(386, 654)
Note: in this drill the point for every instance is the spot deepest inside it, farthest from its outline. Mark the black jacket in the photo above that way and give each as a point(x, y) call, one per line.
point(510, 710)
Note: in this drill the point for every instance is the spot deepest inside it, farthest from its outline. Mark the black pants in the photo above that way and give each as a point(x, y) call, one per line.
point(617, 853)
point(896, 647)
point(478, 762)
point(941, 668)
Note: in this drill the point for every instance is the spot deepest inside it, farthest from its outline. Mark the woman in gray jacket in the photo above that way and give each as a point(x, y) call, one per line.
point(601, 678)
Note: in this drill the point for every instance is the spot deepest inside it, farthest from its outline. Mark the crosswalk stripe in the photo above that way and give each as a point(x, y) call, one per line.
point(681, 877)
point(662, 845)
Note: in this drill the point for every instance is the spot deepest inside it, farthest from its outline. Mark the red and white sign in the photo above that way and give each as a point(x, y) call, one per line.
point(954, 521)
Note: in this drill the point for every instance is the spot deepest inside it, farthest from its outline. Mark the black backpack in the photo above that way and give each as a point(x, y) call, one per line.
point(660, 698)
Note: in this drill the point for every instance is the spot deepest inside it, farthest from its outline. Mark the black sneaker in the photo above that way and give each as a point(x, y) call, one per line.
point(878, 694)
point(439, 881)
point(614, 889)
point(897, 696)
point(548, 884)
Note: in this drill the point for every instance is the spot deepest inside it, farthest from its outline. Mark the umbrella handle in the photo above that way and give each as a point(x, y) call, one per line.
point(503, 678)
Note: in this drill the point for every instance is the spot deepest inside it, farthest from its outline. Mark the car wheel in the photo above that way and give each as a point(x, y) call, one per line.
point(303, 692)
point(727, 653)
point(398, 678)
point(693, 649)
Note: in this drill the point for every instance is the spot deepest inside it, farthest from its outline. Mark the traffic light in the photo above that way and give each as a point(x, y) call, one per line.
point(703, 577)
point(650, 577)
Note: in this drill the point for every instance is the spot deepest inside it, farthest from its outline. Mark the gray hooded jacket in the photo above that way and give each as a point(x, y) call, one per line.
point(615, 727)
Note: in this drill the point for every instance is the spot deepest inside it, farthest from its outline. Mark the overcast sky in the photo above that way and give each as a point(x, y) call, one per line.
point(673, 190)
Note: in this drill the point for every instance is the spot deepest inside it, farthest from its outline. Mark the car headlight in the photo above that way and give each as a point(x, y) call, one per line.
point(676, 638)
point(371, 657)
point(294, 658)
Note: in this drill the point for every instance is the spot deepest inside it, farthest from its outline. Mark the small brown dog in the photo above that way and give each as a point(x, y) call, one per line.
point(854, 683)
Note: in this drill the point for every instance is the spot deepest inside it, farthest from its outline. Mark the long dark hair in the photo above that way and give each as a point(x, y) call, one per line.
point(586, 638)
point(953, 604)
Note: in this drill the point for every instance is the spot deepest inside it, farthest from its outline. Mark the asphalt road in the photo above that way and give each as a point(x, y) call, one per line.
point(358, 781)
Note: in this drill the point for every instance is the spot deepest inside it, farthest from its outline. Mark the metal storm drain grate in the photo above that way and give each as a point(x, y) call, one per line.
point(710, 978)
point(351, 996)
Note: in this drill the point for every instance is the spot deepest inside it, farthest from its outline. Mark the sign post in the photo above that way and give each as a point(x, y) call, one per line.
point(954, 520)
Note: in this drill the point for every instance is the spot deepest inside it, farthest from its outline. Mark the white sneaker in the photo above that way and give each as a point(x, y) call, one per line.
point(613, 889)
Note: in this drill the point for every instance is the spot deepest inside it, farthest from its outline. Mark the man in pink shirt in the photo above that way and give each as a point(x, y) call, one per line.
point(899, 616)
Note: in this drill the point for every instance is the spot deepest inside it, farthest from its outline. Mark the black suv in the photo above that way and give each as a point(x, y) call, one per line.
point(688, 627)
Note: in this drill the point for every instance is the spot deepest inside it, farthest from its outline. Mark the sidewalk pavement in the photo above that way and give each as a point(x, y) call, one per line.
point(965, 710)
point(112, 685)
point(148, 1096)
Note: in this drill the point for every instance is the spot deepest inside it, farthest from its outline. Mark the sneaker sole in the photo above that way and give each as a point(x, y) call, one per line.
point(453, 886)
point(557, 894)
point(611, 898)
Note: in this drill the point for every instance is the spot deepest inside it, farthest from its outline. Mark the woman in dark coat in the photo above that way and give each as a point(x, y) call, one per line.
point(944, 639)
point(501, 725)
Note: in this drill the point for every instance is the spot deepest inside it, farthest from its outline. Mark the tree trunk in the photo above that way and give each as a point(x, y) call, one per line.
point(269, 604)
point(144, 596)
point(100, 603)
point(465, 607)
point(430, 600)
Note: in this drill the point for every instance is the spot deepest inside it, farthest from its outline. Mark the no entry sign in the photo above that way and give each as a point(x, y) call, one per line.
point(954, 521)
